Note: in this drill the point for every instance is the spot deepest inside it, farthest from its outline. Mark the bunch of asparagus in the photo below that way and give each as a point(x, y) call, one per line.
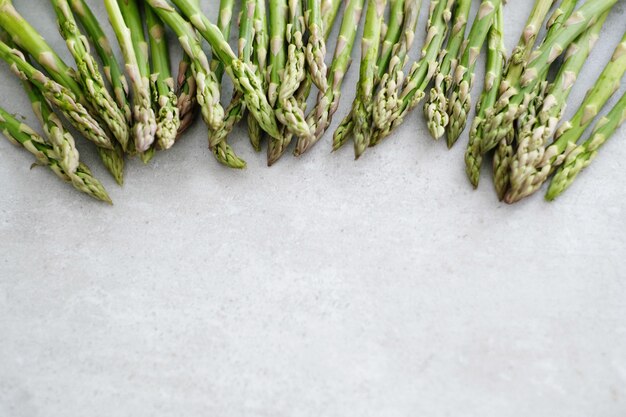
point(136, 107)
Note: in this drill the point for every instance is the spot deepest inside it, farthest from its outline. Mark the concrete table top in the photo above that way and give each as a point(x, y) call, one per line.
point(319, 287)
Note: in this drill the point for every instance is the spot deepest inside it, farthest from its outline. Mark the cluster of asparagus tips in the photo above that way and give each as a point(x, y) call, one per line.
point(320, 117)
point(127, 25)
point(528, 181)
point(58, 152)
point(165, 100)
point(436, 109)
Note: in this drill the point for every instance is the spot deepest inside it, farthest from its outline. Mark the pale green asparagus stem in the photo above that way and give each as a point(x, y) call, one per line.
point(236, 109)
point(567, 136)
point(363, 104)
point(224, 24)
point(582, 156)
point(187, 94)
point(88, 74)
point(463, 80)
point(259, 59)
point(493, 77)
point(60, 139)
point(316, 45)
point(164, 91)
point(22, 135)
point(327, 103)
point(330, 9)
point(144, 119)
point(436, 109)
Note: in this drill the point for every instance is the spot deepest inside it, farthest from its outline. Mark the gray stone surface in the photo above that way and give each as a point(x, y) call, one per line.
point(320, 287)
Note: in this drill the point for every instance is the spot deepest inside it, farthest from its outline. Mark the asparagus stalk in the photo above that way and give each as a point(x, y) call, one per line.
point(363, 104)
point(165, 99)
point(582, 156)
point(187, 92)
point(460, 100)
point(236, 109)
point(112, 69)
point(187, 86)
point(330, 9)
point(88, 73)
point(242, 74)
point(569, 133)
point(400, 31)
point(316, 45)
point(327, 102)
point(80, 177)
point(436, 109)
point(418, 78)
point(493, 77)
point(132, 43)
point(58, 95)
point(208, 85)
point(224, 24)
point(288, 109)
point(500, 122)
point(533, 139)
point(60, 140)
point(278, 11)
point(260, 48)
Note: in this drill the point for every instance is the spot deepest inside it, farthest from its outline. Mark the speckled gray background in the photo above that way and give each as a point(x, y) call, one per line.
point(320, 287)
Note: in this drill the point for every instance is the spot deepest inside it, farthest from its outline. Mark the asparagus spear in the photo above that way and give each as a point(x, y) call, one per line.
point(242, 74)
point(260, 48)
point(164, 93)
point(208, 85)
point(288, 108)
point(460, 100)
point(88, 74)
point(436, 109)
point(533, 139)
point(363, 103)
point(224, 24)
point(500, 122)
point(187, 92)
point(330, 9)
point(21, 134)
point(582, 155)
point(57, 94)
point(418, 78)
point(111, 67)
point(60, 140)
point(316, 45)
point(236, 109)
point(132, 43)
point(493, 76)
point(187, 86)
point(569, 133)
point(327, 102)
